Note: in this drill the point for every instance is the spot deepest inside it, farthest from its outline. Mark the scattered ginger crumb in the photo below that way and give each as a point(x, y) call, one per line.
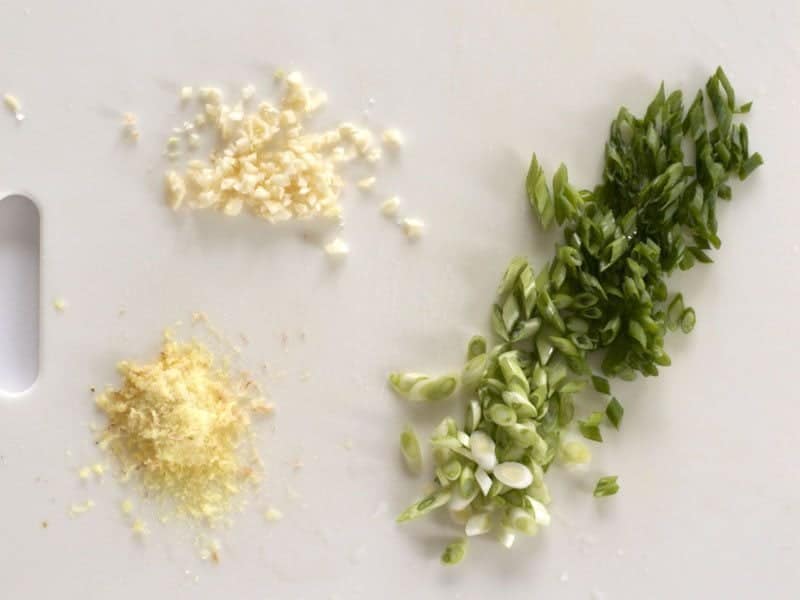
point(98, 469)
point(182, 425)
point(140, 528)
point(127, 507)
point(348, 444)
point(85, 473)
point(79, 509)
point(60, 304)
point(367, 183)
point(272, 514)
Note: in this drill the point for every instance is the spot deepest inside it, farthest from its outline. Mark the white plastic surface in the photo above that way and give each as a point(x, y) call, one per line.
point(707, 455)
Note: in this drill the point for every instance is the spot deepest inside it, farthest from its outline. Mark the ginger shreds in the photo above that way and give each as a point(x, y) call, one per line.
point(183, 425)
point(267, 162)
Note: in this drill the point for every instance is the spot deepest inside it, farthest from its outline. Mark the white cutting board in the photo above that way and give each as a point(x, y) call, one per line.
point(707, 455)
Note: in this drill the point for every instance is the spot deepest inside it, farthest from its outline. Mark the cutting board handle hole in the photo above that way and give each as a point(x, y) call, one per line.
point(19, 293)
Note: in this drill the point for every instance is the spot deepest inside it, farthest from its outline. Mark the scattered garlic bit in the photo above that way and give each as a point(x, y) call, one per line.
point(279, 75)
point(393, 138)
point(273, 514)
point(127, 507)
point(176, 189)
point(14, 105)
point(248, 92)
point(366, 183)
point(348, 444)
point(60, 304)
point(267, 163)
point(337, 248)
point(412, 228)
point(194, 140)
point(85, 473)
point(79, 509)
point(181, 425)
point(130, 126)
point(139, 528)
point(186, 93)
point(98, 469)
point(390, 206)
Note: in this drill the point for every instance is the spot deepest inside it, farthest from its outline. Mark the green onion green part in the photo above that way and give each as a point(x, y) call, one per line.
point(614, 412)
point(606, 486)
point(603, 299)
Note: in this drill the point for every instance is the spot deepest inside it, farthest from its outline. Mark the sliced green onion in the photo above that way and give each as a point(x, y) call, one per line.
point(506, 537)
point(540, 512)
point(484, 481)
point(606, 486)
point(428, 504)
point(614, 412)
point(688, 320)
point(514, 475)
point(502, 414)
point(474, 371)
point(467, 486)
point(575, 453)
point(409, 446)
point(478, 524)
point(417, 387)
point(601, 384)
point(523, 521)
point(459, 501)
point(455, 552)
point(483, 449)
point(476, 347)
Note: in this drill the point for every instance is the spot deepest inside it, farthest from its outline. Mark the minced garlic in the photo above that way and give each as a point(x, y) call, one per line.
point(14, 105)
point(130, 126)
point(393, 138)
point(268, 163)
point(337, 247)
point(390, 206)
point(182, 425)
point(412, 228)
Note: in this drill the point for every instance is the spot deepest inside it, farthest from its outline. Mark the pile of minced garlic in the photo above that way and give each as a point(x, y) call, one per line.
point(181, 426)
point(267, 162)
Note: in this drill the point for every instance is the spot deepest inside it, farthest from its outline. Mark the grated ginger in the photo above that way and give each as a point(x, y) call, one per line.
point(182, 425)
point(268, 163)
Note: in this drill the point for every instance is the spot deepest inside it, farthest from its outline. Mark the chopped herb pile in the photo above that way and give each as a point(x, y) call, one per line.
point(604, 291)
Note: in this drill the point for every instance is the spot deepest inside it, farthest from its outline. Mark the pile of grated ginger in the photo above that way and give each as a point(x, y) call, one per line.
point(181, 427)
